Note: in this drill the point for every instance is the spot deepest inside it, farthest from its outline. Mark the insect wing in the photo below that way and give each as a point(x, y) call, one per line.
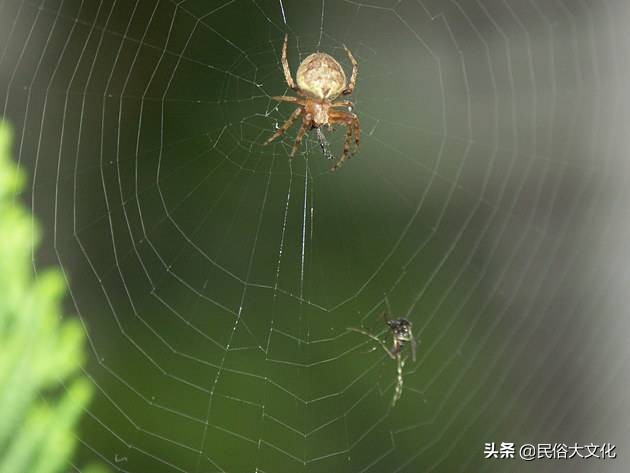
point(413, 348)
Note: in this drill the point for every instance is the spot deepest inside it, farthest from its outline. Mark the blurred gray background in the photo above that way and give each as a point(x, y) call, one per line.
point(216, 279)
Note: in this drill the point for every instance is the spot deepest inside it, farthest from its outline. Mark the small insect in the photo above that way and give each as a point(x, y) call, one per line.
point(401, 333)
point(320, 80)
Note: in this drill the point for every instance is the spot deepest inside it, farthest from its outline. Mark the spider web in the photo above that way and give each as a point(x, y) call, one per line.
point(216, 279)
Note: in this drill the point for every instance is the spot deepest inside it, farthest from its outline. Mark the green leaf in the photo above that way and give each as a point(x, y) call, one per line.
point(42, 391)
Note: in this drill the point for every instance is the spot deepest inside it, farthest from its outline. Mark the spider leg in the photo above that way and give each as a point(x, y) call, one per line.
point(375, 338)
point(352, 124)
point(286, 126)
point(343, 103)
point(346, 149)
point(355, 73)
point(288, 98)
point(285, 66)
point(306, 125)
point(357, 133)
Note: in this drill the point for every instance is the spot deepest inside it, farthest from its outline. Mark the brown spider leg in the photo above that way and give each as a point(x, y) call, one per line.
point(343, 103)
point(357, 133)
point(285, 66)
point(352, 124)
point(288, 98)
point(286, 126)
point(306, 125)
point(375, 338)
point(346, 149)
point(355, 73)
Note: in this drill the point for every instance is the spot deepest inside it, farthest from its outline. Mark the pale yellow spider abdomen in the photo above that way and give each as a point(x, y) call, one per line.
point(321, 76)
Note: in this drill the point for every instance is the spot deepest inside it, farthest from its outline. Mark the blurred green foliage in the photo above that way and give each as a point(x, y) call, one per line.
point(42, 394)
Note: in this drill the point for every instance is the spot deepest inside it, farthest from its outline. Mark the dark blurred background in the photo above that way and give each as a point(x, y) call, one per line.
point(216, 279)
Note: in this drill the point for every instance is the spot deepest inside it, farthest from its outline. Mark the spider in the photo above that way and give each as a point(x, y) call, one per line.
point(320, 80)
point(401, 333)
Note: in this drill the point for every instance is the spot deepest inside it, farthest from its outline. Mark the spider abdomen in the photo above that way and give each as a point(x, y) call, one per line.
point(321, 76)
